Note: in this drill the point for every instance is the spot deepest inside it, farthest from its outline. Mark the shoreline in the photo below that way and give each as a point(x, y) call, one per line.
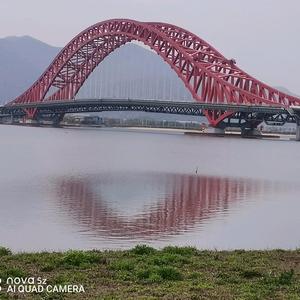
point(277, 136)
point(228, 133)
point(146, 273)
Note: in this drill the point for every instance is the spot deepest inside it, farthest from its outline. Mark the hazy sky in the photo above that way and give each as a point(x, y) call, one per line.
point(262, 35)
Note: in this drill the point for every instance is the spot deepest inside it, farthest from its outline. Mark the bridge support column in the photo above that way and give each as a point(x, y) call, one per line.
point(31, 121)
point(57, 119)
point(31, 116)
point(49, 119)
point(215, 130)
point(298, 130)
point(251, 133)
point(295, 112)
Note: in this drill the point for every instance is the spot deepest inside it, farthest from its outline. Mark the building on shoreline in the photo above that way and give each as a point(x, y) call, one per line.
point(89, 120)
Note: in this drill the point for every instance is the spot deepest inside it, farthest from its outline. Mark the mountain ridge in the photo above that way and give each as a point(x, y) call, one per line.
point(22, 61)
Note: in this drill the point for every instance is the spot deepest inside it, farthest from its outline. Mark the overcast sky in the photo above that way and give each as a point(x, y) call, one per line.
point(262, 35)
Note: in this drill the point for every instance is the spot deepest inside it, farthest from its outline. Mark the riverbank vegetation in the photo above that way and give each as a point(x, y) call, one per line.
point(147, 273)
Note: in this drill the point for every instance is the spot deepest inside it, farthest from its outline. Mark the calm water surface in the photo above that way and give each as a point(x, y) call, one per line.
point(97, 188)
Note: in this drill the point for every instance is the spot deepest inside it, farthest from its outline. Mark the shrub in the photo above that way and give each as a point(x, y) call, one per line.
point(47, 268)
point(142, 250)
point(125, 265)
point(14, 272)
point(155, 278)
point(185, 251)
point(249, 274)
point(286, 277)
point(78, 258)
point(4, 251)
point(158, 274)
point(169, 273)
point(169, 258)
point(143, 274)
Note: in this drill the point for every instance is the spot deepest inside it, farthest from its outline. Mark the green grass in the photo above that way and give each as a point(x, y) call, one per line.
point(170, 273)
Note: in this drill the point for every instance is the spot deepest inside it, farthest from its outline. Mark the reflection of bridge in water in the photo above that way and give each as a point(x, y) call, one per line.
point(177, 202)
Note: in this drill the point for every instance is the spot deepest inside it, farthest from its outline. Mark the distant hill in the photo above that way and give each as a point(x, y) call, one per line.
point(22, 60)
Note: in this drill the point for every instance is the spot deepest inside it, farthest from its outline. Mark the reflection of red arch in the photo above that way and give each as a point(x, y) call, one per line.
point(191, 200)
point(208, 75)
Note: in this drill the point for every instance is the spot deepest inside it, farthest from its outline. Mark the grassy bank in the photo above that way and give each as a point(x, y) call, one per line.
point(170, 273)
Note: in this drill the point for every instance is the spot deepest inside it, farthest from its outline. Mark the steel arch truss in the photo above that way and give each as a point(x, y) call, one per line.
point(208, 75)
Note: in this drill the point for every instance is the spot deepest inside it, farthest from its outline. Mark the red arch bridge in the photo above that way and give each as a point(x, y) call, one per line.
point(222, 92)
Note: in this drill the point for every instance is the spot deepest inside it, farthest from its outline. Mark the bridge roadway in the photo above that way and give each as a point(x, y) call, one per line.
point(170, 107)
point(273, 115)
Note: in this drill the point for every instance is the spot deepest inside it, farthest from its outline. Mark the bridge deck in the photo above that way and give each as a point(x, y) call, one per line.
point(95, 105)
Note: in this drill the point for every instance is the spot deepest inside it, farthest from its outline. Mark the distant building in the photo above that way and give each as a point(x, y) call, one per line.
point(131, 122)
point(82, 119)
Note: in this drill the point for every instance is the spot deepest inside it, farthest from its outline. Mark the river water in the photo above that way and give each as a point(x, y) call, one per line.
point(84, 188)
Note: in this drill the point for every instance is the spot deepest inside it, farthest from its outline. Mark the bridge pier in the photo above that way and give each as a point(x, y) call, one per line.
point(298, 130)
point(216, 130)
point(251, 133)
point(57, 118)
point(48, 119)
point(295, 112)
point(31, 121)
